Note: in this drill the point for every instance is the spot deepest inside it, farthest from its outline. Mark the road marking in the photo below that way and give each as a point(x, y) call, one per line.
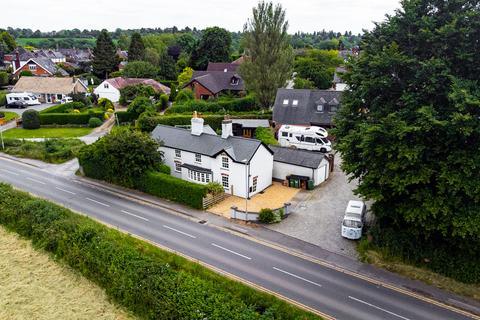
point(101, 203)
point(10, 172)
point(298, 277)
point(184, 233)
point(37, 181)
point(134, 215)
point(58, 188)
point(231, 251)
point(381, 309)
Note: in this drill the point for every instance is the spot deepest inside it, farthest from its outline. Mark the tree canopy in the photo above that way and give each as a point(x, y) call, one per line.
point(136, 50)
point(140, 69)
point(105, 58)
point(270, 56)
point(318, 66)
point(214, 46)
point(409, 128)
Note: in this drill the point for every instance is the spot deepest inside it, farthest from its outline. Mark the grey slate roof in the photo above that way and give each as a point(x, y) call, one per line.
point(237, 148)
point(221, 66)
point(306, 113)
point(302, 158)
point(217, 81)
point(252, 123)
point(48, 65)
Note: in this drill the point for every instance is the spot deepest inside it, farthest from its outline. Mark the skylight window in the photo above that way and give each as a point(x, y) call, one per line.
point(295, 103)
point(285, 102)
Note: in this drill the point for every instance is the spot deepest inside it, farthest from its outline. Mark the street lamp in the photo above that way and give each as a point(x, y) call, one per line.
point(247, 189)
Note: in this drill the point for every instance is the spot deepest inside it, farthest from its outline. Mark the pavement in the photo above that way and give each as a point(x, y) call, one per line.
point(317, 215)
point(307, 275)
point(19, 111)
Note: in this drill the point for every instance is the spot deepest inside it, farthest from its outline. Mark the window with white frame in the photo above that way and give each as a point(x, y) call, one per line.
point(333, 109)
point(178, 166)
point(285, 102)
point(320, 107)
point(295, 103)
point(105, 85)
point(199, 176)
point(254, 184)
point(178, 153)
point(32, 67)
point(225, 182)
point(225, 163)
point(198, 157)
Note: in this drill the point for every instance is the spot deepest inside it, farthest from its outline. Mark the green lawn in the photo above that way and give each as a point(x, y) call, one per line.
point(10, 115)
point(19, 133)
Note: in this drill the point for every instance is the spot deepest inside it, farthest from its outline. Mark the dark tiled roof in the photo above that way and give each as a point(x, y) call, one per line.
point(302, 158)
point(221, 66)
point(196, 168)
point(306, 112)
point(237, 148)
point(217, 81)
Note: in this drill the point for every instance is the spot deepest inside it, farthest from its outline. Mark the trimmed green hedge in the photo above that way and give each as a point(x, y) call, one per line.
point(147, 124)
point(63, 108)
point(150, 282)
point(168, 187)
point(3, 98)
point(221, 104)
point(125, 116)
point(69, 118)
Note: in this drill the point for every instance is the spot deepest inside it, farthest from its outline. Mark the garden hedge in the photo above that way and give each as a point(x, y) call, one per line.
point(62, 108)
point(125, 116)
point(150, 282)
point(3, 98)
point(69, 118)
point(221, 104)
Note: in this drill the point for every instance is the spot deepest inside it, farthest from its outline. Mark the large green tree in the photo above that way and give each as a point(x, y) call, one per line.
point(136, 50)
point(409, 128)
point(140, 69)
point(7, 39)
point(105, 58)
point(318, 66)
point(270, 56)
point(214, 46)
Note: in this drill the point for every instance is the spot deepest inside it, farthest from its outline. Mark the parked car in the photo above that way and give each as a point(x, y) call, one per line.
point(309, 138)
point(16, 104)
point(353, 220)
point(66, 100)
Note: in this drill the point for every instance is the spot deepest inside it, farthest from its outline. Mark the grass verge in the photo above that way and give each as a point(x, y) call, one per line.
point(380, 258)
point(20, 133)
point(150, 282)
point(34, 286)
point(51, 150)
point(10, 115)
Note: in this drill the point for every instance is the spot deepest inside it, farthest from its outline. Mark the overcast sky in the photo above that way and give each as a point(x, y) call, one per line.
point(303, 15)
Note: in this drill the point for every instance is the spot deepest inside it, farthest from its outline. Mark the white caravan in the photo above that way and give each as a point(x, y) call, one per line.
point(28, 98)
point(308, 138)
point(353, 220)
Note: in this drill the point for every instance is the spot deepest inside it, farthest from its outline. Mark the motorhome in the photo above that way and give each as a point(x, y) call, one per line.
point(308, 138)
point(28, 98)
point(353, 220)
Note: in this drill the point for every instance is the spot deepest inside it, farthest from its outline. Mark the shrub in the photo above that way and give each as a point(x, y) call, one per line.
point(173, 92)
point(172, 188)
point(129, 93)
point(266, 216)
point(265, 135)
point(149, 281)
point(215, 188)
point(3, 78)
point(50, 150)
point(224, 104)
point(30, 119)
point(163, 168)
point(164, 101)
point(139, 105)
point(64, 108)
point(94, 122)
point(105, 104)
point(3, 98)
point(184, 95)
point(69, 118)
point(81, 97)
point(125, 116)
point(26, 73)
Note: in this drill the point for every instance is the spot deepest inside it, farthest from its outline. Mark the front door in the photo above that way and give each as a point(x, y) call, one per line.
point(247, 133)
point(49, 98)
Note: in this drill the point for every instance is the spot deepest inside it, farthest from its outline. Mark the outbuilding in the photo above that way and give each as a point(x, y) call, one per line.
point(299, 166)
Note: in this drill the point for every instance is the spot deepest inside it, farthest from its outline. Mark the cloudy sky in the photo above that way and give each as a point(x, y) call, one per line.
point(303, 15)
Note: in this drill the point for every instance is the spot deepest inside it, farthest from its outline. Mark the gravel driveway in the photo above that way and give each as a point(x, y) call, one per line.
point(39, 107)
point(317, 215)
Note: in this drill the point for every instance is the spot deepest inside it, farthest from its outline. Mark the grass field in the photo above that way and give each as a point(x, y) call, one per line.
point(24, 41)
point(19, 133)
point(10, 115)
point(36, 287)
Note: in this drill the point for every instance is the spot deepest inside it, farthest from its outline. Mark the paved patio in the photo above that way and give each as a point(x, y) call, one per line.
point(273, 197)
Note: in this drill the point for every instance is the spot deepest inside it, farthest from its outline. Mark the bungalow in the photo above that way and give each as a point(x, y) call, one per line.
point(218, 78)
point(110, 88)
point(42, 67)
point(50, 90)
point(306, 107)
point(242, 166)
point(299, 166)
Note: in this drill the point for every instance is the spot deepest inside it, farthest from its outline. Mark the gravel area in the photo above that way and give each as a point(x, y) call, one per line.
point(317, 215)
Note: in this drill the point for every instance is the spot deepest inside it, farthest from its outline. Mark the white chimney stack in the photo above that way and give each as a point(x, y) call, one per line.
point(227, 130)
point(197, 125)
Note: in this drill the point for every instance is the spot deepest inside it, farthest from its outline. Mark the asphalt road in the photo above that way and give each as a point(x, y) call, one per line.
point(332, 292)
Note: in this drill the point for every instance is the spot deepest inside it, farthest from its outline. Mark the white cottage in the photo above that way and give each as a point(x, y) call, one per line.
point(110, 88)
point(243, 166)
point(302, 165)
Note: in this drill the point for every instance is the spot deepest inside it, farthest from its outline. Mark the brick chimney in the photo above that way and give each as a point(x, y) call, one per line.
point(17, 61)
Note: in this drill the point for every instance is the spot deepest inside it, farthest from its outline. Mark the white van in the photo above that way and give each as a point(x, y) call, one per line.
point(308, 138)
point(353, 220)
point(28, 98)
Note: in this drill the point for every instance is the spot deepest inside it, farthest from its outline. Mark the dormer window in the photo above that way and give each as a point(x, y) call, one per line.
point(285, 102)
point(333, 108)
point(320, 107)
point(295, 103)
point(234, 81)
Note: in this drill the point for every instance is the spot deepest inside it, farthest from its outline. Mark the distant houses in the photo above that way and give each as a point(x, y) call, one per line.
point(50, 89)
point(110, 88)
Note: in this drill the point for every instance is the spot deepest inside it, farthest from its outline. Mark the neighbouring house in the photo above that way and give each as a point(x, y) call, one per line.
point(306, 107)
point(50, 89)
point(242, 166)
point(110, 88)
point(297, 166)
point(218, 78)
point(246, 127)
point(77, 56)
point(54, 55)
point(338, 83)
point(41, 67)
point(122, 54)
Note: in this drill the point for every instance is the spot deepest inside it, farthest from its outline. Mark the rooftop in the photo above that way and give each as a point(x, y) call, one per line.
point(302, 158)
